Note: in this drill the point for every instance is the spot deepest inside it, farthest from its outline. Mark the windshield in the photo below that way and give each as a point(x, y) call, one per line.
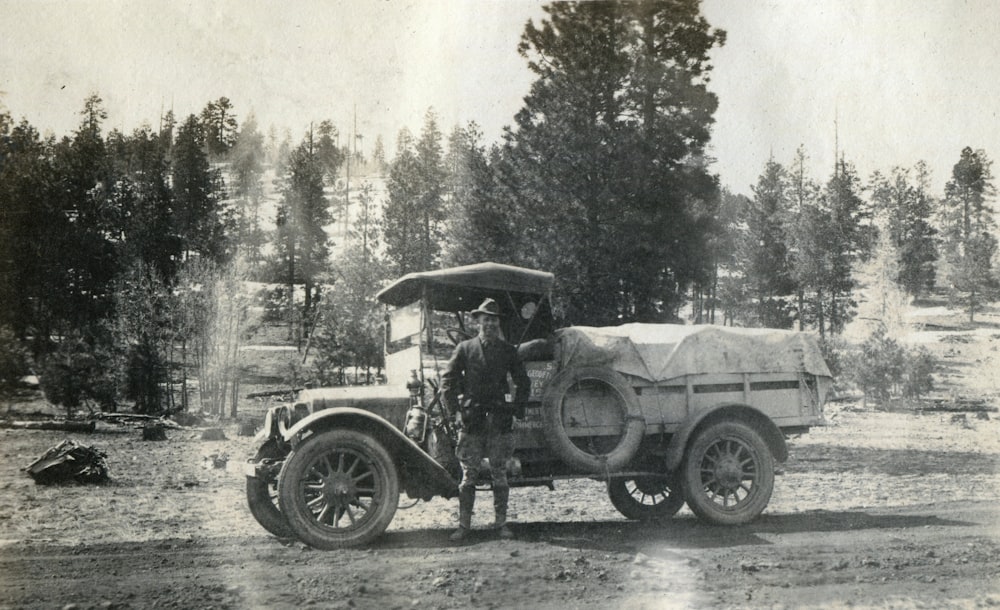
point(419, 339)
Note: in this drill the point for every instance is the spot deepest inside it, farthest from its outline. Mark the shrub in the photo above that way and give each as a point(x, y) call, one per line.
point(72, 375)
point(917, 373)
point(884, 368)
point(837, 354)
point(879, 366)
point(14, 363)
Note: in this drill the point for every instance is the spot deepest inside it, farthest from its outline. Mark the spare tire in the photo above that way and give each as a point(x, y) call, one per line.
point(598, 400)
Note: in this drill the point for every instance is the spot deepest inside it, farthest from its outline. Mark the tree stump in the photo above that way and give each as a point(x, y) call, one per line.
point(154, 432)
point(213, 434)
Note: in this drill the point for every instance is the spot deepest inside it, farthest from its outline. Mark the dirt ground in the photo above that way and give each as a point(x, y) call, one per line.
point(878, 509)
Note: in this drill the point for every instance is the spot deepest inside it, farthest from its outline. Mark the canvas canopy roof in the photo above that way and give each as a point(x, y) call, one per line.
point(661, 352)
point(464, 288)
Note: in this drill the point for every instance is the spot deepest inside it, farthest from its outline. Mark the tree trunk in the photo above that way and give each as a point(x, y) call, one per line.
point(291, 288)
point(801, 309)
point(821, 320)
point(715, 290)
point(184, 377)
point(234, 400)
point(833, 313)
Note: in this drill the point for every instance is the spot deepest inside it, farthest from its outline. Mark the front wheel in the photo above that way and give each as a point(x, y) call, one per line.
point(339, 489)
point(262, 496)
point(728, 474)
point(646, 498)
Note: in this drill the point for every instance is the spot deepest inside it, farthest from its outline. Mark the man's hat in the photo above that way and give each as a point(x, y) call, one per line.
point(488, 308)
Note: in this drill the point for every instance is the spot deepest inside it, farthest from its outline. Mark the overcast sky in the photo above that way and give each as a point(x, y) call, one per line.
point(905, 80)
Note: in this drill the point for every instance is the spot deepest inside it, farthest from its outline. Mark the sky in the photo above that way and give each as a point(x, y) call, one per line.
point(886, 82)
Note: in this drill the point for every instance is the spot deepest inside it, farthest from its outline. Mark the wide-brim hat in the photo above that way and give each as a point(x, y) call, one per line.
point(489, 307)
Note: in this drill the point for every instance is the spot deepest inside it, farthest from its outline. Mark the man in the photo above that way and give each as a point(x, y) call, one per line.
point(478, 372)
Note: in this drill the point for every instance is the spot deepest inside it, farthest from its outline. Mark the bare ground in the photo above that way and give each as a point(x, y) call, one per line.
point(879, 509)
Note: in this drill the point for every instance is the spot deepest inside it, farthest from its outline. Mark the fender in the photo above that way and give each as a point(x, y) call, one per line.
point(697, 420)
point(409, 456)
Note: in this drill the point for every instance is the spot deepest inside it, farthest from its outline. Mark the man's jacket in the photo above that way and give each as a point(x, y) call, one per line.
point(479, 373)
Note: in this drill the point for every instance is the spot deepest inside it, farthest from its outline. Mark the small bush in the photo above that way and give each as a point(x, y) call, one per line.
point(14, 363)
point(837, 354)
point(884, 369)
point(73, 375)
point(917, 373)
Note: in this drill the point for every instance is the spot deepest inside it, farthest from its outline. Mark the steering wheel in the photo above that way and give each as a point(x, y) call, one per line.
point(457, 335)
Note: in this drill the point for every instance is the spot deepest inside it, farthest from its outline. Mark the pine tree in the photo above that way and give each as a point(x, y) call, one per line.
point(829, 237)
point(302, 215)
point(219, 127)
point(378, 155)
point(198, 191)
point(142, 203)
point(480, 227)
point(904, 200)
point(607, 156)
point(34, 231)
point(87, 255)
point(414, 213)
point(329, 154)
point(967, 225)
point(247, 169)
point(430, 200)
point(763, 253)
point(400, 215)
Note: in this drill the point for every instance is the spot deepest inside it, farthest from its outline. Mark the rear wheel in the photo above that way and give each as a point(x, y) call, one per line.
point(728, 474)
point(339, 489)
point(646, 498)
point(262, 496)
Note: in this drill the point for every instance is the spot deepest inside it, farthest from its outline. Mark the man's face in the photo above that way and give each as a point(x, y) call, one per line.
point(489, 327)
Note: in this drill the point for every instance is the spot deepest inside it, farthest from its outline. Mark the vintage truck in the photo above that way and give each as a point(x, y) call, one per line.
point(665, 414)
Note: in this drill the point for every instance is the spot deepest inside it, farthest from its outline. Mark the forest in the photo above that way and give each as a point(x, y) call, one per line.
point(135, 266)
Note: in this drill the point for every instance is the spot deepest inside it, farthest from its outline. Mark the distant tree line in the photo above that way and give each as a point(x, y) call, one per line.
point(117, 251)
point(790, 254)
point(124, 258)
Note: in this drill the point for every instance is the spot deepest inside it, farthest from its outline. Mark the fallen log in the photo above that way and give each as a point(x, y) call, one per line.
point(138, 418)
point(64, 425)
point(951, 405)
point(267, 393)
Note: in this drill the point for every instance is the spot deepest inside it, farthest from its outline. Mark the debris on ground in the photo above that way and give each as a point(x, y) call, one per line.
point(69, 461)
point(140, 418)
point(216, 460)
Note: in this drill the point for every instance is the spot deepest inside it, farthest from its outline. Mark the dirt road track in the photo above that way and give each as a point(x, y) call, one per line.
point(885, 510)
point(934, 556)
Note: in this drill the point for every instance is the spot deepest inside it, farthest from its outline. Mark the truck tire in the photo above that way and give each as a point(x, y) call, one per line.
point(262, 496)
point(646, 498)
point(339, 489)
point(578, 392)
point(728, 474)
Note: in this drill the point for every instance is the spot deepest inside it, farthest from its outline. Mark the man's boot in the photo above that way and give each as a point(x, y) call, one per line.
point(466, 499)
point(500, 497)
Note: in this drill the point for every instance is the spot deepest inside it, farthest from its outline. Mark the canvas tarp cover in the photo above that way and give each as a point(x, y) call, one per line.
point(661, 352)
